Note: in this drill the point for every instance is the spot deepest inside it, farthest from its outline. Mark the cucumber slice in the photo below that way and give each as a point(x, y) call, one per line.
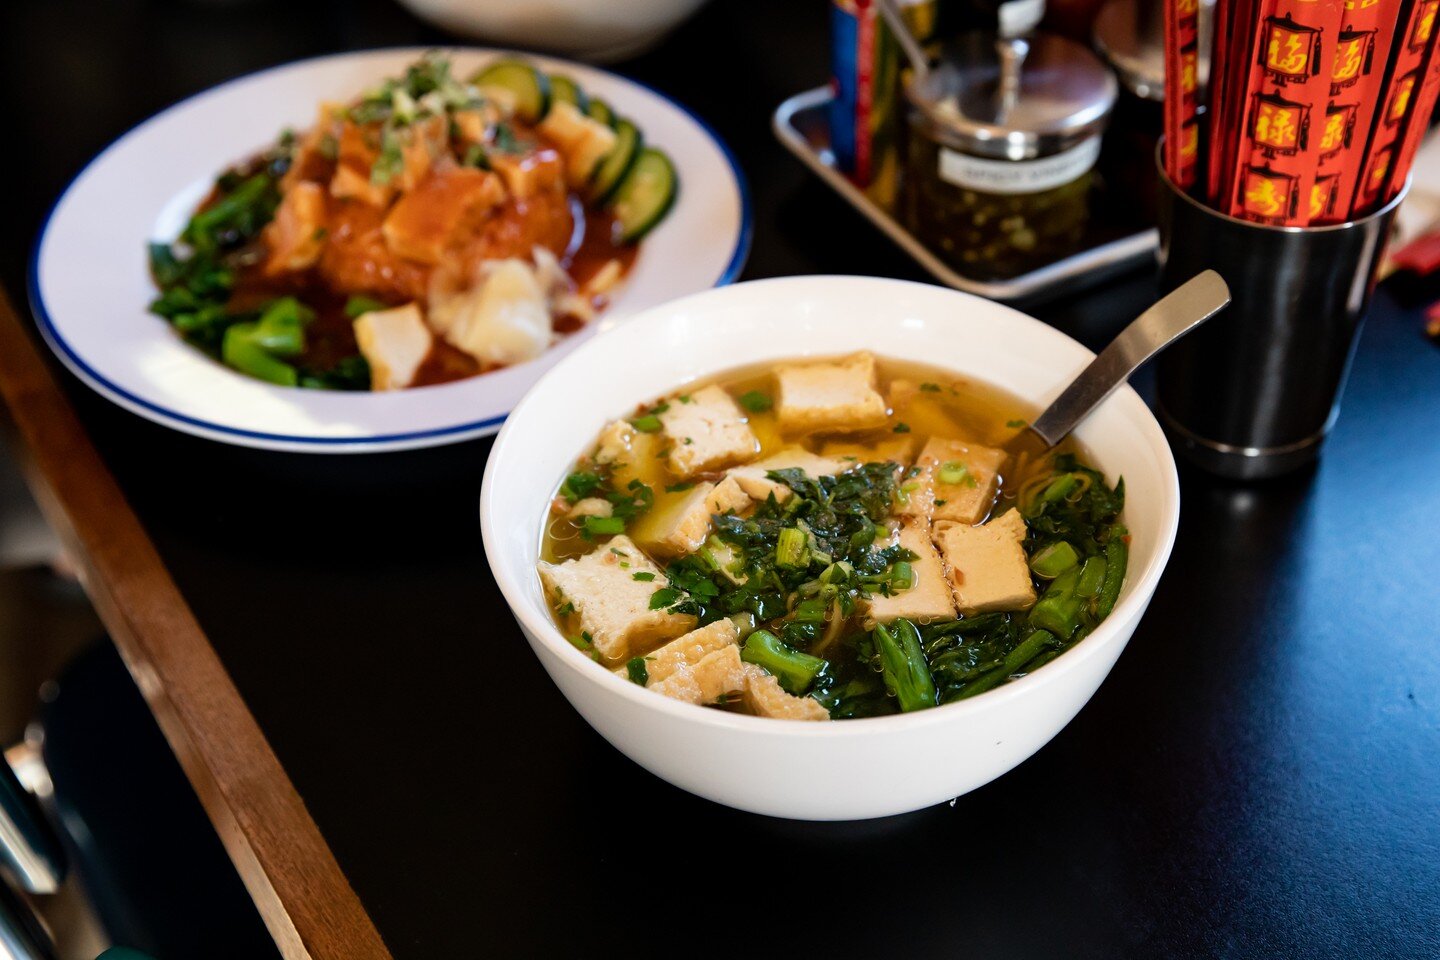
point(600, 110)
point(530, 87)
point(617, 163)
point(562, 88)
point(645, 195)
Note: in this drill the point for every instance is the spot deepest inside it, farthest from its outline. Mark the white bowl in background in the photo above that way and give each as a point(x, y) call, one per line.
point(599, 32)
point(847, 769)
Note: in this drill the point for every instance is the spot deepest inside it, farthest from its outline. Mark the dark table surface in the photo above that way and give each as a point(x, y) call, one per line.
point(1259, 777)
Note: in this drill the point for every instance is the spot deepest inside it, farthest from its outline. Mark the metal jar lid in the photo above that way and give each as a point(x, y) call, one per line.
point(1013, 99)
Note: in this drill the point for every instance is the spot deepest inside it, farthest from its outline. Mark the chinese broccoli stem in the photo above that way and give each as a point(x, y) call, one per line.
point(1059, 609)
point(902, 658)
point(795, 670)
point(241, 351)
point(1117, 554)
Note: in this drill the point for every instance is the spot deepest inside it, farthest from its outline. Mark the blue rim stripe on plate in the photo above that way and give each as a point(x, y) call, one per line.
point(123, 397)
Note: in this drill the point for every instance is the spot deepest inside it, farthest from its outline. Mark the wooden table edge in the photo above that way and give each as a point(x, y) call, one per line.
point(303, 897)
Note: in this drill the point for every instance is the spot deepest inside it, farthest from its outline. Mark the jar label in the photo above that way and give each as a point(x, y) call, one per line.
point(1018, 176)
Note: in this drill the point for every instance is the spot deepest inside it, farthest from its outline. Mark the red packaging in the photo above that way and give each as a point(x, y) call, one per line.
point(1357, 80)
point(1285, 98)
point(1235, 39)
point(1418, 121)
point(1413, 42)
point(1182, 88)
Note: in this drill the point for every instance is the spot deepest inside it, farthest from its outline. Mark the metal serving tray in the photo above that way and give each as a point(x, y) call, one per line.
point(802, 125)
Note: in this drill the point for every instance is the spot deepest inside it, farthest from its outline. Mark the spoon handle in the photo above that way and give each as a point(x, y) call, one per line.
point(919, 62)
point(1176, 314)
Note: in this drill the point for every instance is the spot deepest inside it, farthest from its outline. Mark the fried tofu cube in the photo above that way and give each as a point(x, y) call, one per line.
point(428, 218)
point(683, 527)
point(718, 674)
point(349, 183)
point(687, 650)
point(764, 697)
point(614, 607)
point(835, 397)
point(753, 481)
point(423, 143)
point(956, 481)
point(987, 566)
point(706, 430)
point(504, 320)
point(583, 140)
point(526, 175)
point(929, 599)
point(590, 507)
point(357, 149)
point(614, 443)
point(394, 342)
point(296, 235)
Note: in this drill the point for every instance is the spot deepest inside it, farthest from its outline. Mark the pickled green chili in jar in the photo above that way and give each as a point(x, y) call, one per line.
point(1002, 142)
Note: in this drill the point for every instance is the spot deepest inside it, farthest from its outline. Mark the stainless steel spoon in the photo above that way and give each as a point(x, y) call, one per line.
point(1173, 316)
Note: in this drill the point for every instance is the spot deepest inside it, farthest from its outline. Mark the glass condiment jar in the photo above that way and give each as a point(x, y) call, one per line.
point(1003, 135)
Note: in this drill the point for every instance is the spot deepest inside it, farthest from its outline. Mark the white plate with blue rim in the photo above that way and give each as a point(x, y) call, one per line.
point(90, 283)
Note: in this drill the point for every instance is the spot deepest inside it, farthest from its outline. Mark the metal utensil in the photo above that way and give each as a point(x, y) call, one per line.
point(1182, 310)
point(919, 61)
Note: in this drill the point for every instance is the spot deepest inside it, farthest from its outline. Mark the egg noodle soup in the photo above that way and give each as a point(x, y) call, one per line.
point(830, 539)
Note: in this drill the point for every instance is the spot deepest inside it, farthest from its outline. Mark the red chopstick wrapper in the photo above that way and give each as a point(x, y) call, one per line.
point(1285, 98)
point(1414, 40)
point(1182, 51)
point(1357, 82)
point(1418, 122)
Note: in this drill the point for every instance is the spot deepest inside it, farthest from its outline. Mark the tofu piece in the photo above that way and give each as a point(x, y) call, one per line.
point(986, 564)
point(426, 219)
point(719, 674)
point(504, 320)
point(425, 141)
point(296, 235)
point(394, 342)
point(584, 141)
point(684, 652)
point(833, 397)
point(525, 175)
point(753, 481)
point(930, 598)
point(706, 432)
point(963, 502)
point(357, 149)
point(350, 183)
point(590, 507)
point(900, 449)
point(614, 607)
point(764, 697)
point(683, 528)
point(614, 443)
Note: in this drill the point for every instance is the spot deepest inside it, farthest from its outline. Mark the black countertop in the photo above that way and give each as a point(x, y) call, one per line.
point(1259, 777)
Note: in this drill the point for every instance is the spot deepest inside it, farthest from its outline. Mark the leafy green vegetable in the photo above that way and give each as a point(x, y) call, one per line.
point(902, 658)
point(358, 306)
point(638, 672)
point(348, 373)
point(795, 670)
point(649, 423)
point(592, 527)
point(579, 485)
point(1053, 559)
point(755, 402)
